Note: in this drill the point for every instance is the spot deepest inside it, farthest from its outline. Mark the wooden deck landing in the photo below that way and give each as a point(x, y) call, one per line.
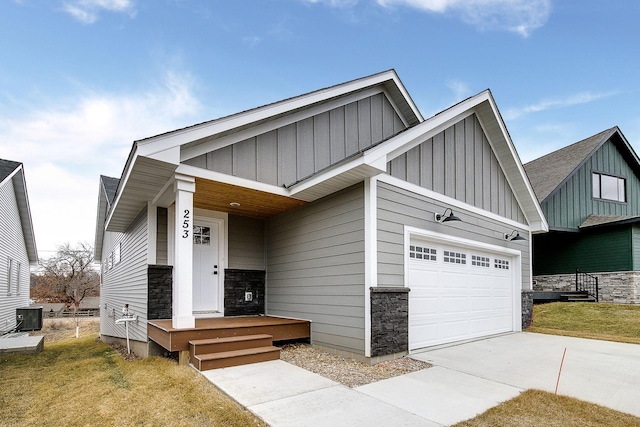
point(279, 328)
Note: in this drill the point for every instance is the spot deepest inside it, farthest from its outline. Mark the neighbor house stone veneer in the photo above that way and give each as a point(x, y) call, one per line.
point(621, 287)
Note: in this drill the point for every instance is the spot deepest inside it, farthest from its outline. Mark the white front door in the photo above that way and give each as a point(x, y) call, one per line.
point(207, 271)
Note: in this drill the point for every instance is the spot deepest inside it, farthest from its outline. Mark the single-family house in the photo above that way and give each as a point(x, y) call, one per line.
point(343, 207)
point(17, 243)
point(590, 194)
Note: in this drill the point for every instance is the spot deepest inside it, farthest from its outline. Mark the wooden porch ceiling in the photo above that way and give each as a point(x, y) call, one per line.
point(218, 196)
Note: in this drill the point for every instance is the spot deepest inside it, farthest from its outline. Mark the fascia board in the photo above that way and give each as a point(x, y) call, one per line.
point(123, 182)
point(232, 180)
point(204, 130)
point(25, 214)
point(521, 176)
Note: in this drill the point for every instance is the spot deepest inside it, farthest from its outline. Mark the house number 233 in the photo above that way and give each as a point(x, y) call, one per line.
point(186, 224)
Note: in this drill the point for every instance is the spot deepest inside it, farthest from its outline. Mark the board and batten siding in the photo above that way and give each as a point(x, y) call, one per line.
point(126, 282)
point(573, 201)
point(459, 163)
point(12, 245)
point(246, 243)
point(591, 251)
point(315, 268)
point(398, 207)
point(162, 236)
point(291, 153)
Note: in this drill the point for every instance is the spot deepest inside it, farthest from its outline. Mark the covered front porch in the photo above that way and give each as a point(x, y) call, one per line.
point(228, 341)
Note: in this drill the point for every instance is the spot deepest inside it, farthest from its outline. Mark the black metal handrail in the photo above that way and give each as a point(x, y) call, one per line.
point(588, 283)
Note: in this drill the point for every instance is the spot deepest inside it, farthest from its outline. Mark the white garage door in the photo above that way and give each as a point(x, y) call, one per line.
point(458, 293)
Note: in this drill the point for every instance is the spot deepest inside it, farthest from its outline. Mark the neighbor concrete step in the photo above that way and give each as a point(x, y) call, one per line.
point(217, 345)
point(204, 362)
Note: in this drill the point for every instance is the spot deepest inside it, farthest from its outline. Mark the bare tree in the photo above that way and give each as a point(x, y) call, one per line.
point(67, 277)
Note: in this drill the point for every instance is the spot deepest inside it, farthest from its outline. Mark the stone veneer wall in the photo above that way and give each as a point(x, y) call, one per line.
point(389, 321)
point(159, 288)
point(622, 287)
point(236, 283)
point(527, 308)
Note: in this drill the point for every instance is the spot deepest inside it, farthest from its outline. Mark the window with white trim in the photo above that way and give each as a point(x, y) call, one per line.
point(13, 276)
point(480, 261)
point(116, 254)
point(422, 252)
point(455, 257)
point(609, 187)
point(501, 264)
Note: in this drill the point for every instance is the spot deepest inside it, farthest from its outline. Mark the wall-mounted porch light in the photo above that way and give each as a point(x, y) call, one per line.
point(514, 235)
point(443, 217)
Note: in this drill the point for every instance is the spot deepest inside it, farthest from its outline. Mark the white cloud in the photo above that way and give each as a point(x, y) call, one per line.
point(518, 16)
point(553, 104)
point(87, 11)
point(335, 3)
point(460, 90)
point(66, 147)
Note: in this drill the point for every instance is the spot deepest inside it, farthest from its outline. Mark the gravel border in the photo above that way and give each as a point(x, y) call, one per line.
point(344, 370)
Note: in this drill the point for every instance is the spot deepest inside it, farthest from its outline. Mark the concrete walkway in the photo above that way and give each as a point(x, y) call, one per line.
point(467, 379)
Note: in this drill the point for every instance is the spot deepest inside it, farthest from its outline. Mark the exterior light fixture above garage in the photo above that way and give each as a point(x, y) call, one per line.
point(445, 218)
point(514, 235)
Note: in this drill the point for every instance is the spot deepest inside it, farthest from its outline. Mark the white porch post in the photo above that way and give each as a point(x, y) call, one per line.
point(183, 317)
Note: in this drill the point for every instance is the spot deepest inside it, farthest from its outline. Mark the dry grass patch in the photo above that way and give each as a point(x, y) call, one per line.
point(344, 370)
point(57, 329)
point(610, 322)
point(534, 408)
point(84, 382)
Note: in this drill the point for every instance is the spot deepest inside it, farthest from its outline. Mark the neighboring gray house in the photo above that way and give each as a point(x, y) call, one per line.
point(17, 243)
point(333, 206)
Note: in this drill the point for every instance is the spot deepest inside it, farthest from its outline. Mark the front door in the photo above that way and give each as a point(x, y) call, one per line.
point(207, 271)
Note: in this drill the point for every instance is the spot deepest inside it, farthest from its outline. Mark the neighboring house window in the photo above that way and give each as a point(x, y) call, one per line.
point(609, 187)
point(420, 252)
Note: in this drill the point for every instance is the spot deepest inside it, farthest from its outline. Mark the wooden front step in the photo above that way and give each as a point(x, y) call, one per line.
point(225, 359)
point(219, 345)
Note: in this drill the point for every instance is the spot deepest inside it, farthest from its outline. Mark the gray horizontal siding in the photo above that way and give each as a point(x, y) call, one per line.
point(573, 201)
point(459, 163)
point(398, 207)
point(291, 153)
point(246, 243)
point(315, 268)
point(12, 245)
point(126, 282)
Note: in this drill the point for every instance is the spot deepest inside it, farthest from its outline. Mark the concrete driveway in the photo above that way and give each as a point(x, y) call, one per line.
point(466, 380)
point(601, 372)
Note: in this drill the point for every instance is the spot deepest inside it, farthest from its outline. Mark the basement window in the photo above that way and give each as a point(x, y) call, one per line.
point(609, 187)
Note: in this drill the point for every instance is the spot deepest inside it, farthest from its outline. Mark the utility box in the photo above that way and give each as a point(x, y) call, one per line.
point(29, 319)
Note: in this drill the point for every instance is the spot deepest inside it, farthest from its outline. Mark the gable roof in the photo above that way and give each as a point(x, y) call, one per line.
point(7, 167)
point(106, 194)
point(154, 161)
point(15, 171)
point(549, 172)
point(483, 105)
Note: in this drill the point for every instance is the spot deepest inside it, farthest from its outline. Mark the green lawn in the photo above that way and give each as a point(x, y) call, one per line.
point(612, 322)
point(82, 382)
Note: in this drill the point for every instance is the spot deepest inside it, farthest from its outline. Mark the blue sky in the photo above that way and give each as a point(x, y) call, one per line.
point(80, 80)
